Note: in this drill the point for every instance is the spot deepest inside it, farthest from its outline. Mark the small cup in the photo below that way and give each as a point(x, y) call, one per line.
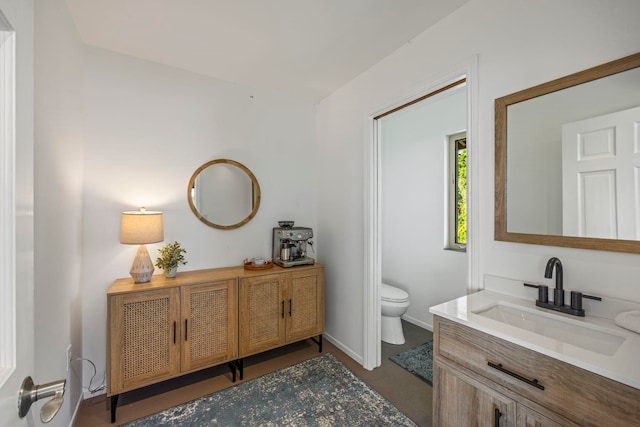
point(258, 261)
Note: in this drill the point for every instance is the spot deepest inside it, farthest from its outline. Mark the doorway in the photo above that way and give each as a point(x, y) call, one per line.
point(408, 205)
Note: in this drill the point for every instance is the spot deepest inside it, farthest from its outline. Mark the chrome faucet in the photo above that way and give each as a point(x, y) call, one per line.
point(558, 293)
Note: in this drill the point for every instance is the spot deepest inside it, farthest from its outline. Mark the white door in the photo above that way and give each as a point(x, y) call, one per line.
point(601, 176)
point(16, 209)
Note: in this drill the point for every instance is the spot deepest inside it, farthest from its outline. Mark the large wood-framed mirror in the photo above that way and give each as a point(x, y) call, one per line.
point(224, 194)
point(567, 161)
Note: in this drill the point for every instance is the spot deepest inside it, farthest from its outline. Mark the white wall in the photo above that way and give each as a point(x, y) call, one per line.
point(148, 127)
point(58, 201)
point(519, 44)
point(414, 149)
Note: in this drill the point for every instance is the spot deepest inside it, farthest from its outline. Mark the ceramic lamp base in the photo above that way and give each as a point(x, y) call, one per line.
point(142, 267)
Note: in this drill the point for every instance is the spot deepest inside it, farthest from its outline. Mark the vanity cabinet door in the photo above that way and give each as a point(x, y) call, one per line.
point(144, 344)
point(209, 324)
point(460, 400)
point(530, 418)
point(262, 313)
point(305, 304)
point(564, 390)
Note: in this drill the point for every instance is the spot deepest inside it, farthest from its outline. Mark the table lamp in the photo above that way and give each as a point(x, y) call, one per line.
point(140, 228)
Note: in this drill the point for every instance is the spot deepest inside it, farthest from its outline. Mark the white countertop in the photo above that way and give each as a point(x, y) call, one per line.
point(622, 366)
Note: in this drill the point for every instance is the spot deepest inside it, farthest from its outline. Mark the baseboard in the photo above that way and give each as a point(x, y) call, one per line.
point(417, 322)
point(86, 394)
point(75, 411)
point(344, 348)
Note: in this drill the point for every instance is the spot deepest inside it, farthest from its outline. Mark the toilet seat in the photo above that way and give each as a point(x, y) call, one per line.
point(392, 294)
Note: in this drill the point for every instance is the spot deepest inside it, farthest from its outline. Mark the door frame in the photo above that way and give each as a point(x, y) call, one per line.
point(7, 201)
point(372, 274)
point(18, 213)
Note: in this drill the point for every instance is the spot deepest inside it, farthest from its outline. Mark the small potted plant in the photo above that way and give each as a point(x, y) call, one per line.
point(171, 256)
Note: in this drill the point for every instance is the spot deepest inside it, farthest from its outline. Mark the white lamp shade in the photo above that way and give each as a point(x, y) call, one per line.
point(140, 228)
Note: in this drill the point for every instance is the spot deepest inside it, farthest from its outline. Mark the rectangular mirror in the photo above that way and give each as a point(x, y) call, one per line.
point(567, 160)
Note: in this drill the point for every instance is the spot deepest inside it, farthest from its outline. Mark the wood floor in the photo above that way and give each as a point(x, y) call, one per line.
point(407, 392)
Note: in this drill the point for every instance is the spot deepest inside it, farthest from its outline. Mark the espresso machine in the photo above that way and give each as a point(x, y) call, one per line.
point(290, 245)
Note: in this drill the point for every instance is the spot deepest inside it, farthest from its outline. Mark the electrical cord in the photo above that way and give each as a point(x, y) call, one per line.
point(101, 386)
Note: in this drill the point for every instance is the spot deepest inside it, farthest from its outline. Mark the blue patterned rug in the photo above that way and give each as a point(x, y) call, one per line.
point(318, 392)
point(418, 361)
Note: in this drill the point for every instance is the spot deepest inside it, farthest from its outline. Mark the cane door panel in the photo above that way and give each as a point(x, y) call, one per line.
point(305, 293)
point(146, 346)
point(208, 325)
point(262, 311)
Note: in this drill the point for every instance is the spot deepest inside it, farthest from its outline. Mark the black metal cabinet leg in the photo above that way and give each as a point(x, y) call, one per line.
point(114, 406)
point(240, 365)
point(232, 366)
point(319, 342)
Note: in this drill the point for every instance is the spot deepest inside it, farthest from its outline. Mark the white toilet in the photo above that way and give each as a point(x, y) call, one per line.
point(395, 303)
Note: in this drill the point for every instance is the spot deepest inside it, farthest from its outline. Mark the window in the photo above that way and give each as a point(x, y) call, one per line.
point(457, 192)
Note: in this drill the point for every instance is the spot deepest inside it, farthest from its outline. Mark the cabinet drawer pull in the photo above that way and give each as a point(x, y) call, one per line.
point(534, 382)
point(289, 308)
point(185, 329)
point(496, 417)
point(282, 314)
point(174, 331)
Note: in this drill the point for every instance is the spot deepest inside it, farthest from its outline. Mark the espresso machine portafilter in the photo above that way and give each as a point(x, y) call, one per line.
point(290, 245)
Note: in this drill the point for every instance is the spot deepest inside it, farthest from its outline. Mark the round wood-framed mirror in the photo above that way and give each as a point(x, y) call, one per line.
point(224, 194)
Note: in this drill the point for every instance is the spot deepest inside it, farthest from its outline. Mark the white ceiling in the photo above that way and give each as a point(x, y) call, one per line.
point(307, 48)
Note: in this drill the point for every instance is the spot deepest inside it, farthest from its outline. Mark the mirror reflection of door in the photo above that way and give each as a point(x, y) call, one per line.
point(601, 176)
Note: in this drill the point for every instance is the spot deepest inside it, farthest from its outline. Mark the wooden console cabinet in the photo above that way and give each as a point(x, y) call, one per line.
point(168, 327)
point(482, 380)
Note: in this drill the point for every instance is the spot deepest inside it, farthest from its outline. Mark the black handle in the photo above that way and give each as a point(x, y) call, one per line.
point(496, 416)
point(282, 309)
point(543, 291)
point(591, 297)
point(289, 307)
point(174, 331)
point(185, 329)
point(534, 382)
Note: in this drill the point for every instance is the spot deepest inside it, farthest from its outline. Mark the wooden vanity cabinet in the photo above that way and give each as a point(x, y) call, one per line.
point(480, 379)
point(278, 309)
point(461, 400)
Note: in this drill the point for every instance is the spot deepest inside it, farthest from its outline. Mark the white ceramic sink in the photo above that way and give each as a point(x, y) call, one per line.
point(586, 336)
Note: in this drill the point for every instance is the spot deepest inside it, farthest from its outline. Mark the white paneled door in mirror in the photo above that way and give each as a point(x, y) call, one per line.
point(601, 164)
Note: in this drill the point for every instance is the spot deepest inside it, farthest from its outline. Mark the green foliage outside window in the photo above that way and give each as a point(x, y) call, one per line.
point(461, 195)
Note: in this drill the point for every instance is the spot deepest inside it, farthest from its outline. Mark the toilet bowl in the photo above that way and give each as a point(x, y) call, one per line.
point(394, 303)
